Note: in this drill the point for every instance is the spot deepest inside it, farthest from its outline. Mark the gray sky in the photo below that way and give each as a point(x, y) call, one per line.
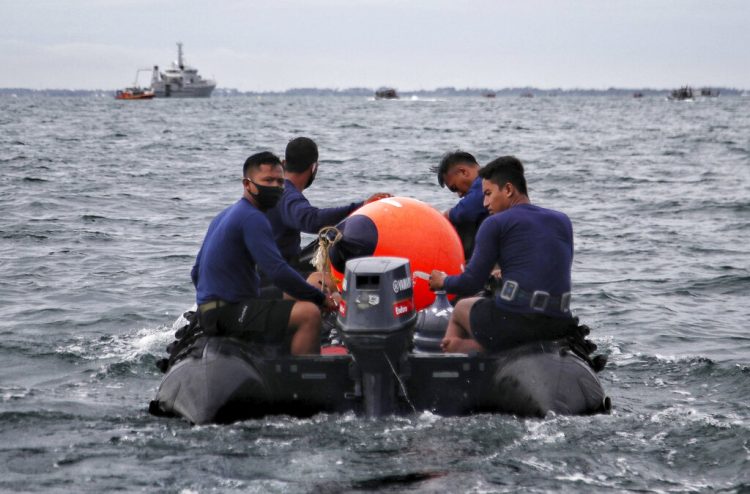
point(417, 44)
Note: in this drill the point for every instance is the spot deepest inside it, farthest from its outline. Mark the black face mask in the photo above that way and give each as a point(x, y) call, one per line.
point(312, 177)
point(267, 196)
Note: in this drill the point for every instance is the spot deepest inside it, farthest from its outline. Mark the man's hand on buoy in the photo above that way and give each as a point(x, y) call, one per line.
point(377, 196)
point(450, 344)
point(454, 344)
point(436, 279)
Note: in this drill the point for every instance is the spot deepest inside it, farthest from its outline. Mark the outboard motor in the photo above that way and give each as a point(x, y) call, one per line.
point(431, 323)
point(376, 315)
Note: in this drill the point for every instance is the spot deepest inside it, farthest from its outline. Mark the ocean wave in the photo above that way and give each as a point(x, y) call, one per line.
point(734, 284)
point(19, 157)
point(135, 366)
point(135, 350)
point(16, 393)
point(92, 218)
point(14, 418)
point(651, 361)
point(23, 235)
point(677, 415)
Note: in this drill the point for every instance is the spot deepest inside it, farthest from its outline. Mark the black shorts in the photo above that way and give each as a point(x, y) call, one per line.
point(496, 329)
point(258, 320)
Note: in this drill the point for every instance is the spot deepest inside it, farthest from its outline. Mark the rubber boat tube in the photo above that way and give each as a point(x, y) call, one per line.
point(223, 380)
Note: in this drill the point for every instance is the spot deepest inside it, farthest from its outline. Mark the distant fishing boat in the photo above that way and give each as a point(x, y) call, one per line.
point(180, 81)
point(707, 92)
point(489, 94)
point(134, 93)
point(684, 93)
point(386, 93)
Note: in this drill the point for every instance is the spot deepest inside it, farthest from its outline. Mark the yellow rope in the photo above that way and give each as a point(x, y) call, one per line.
point(321, 259)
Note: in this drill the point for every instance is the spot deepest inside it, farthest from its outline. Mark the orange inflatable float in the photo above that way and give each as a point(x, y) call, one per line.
point(401, 227)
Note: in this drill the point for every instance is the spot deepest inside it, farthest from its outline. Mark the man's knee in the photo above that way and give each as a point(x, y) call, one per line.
point(463, 309)
point(304, 312)
point(465, 303)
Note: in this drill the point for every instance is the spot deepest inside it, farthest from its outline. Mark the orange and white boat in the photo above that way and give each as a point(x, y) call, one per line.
point(134, 93)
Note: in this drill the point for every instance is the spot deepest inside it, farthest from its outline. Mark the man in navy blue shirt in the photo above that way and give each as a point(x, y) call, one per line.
point(225, 277)
point(533, 247)
point(294, 213)
point(459, 171)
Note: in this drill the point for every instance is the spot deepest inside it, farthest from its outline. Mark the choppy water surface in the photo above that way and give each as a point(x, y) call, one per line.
point(104, 204)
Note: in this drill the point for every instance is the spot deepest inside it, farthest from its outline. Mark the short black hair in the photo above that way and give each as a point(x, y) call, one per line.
point(300, 154)
point(262, 158)
point(503, 170)
point(449, 160)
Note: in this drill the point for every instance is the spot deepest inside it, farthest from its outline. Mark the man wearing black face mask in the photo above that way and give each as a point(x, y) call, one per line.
point(225, 277)
point(294, 213)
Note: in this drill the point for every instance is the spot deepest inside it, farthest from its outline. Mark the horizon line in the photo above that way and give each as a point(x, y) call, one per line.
point(406, 91)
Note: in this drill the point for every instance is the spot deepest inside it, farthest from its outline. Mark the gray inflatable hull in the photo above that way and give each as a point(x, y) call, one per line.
point(223, 380)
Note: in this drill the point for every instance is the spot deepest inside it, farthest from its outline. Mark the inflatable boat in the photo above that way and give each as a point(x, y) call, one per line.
point(389, 362)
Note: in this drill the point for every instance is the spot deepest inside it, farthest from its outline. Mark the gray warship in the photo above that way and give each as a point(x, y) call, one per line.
point(180, 81)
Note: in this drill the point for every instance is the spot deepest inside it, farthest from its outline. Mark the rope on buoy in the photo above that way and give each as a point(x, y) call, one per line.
point(320, 259)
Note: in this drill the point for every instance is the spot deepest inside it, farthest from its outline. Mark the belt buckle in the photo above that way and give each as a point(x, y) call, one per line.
point(565, 302)
point(539, 300)
point(509, 290)
point(211, 305)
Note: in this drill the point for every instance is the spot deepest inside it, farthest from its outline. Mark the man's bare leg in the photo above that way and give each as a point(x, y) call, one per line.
point(306, 319)
point(458, 336)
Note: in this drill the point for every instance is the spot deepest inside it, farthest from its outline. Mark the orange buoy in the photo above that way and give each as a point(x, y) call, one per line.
point(401, 227)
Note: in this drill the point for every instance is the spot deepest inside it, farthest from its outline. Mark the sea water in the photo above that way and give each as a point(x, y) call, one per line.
point(104, 205)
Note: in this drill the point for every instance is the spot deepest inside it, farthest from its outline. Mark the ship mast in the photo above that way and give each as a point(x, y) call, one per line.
point(179, 56)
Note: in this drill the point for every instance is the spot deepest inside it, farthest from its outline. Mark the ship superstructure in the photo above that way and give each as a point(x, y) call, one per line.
point(180, 81)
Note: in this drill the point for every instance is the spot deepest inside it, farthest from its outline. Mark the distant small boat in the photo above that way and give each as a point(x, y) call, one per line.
point(489, 94)
point(386, 93)
point(709, 93)
point(134, 93)
point(638, 94)
point(685, 93)
point(527, 94)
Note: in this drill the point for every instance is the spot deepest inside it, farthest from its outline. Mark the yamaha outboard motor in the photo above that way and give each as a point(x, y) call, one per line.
point(376, 316)
point(431, 324)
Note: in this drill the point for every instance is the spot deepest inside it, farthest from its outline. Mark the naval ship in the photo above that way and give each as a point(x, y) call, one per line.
point(180, 81)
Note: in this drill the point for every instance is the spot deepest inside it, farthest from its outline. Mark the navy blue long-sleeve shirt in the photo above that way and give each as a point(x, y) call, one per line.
point(470, 209)
point(294, 214)
point(533, 246)
point(238, 239)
